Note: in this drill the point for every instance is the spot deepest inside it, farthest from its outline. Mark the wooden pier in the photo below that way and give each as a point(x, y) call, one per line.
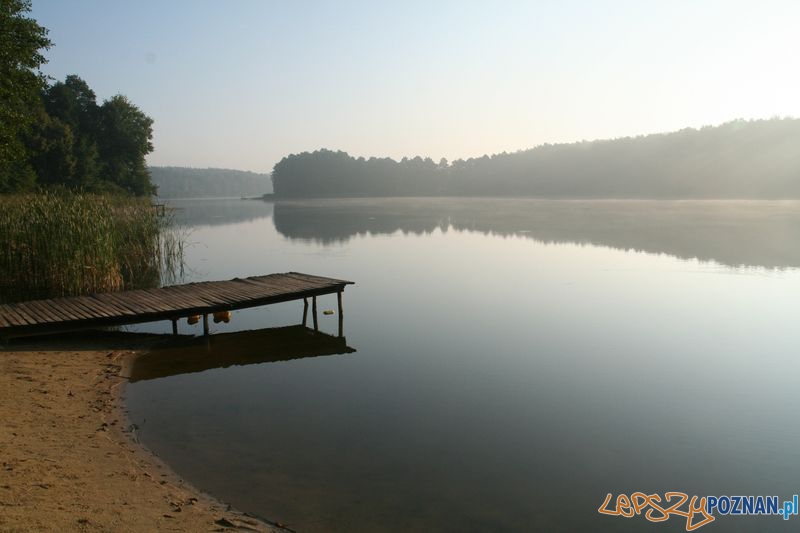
point(58, 315)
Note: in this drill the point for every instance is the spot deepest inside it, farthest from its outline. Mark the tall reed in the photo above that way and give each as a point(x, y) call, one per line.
point(62, 243)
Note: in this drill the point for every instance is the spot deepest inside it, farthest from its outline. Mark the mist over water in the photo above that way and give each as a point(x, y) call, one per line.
point(516, 360)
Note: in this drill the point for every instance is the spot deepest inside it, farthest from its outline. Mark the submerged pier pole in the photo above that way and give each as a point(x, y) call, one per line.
point(314, 312)
point(205, 325)
point(305, 311)
point(174, 326)
point(341, 313)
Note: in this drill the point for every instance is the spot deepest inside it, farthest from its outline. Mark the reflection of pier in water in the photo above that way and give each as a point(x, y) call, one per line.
point(235, 349)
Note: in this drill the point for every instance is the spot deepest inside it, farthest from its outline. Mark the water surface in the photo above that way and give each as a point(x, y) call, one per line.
point(515, 361)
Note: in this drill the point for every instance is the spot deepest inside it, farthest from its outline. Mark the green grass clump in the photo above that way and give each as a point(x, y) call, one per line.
point(62, 244)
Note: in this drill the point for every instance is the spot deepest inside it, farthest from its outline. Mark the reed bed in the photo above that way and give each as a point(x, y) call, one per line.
point(63, 244)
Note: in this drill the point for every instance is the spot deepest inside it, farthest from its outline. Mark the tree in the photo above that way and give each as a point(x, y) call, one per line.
point(21, 43)
point(124, 140)
point(740, 159)
point(74, 104)
point(51, 145)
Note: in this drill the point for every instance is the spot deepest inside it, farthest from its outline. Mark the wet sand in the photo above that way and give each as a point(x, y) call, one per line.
point(69, 460)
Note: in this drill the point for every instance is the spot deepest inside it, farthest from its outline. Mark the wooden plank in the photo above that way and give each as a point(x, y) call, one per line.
point(21, 312)
point(73, 309)
point(112, 303)
point(143, 301)
point(59, 312)
point(198, 295)
point(98, 303)
point(32, 312)
point(91, 306)
point(255, 291)
point(258, 285)
point(306, 283)
point(242, 286)
point(174, 299)
point(283, 284)
point(186, 301)
point(267, 282)
point(140, 307)
point(264, 290)
point(228, 291)
point(46, 314)
point(332, 281)
point(134, 303)
point(64, 307)
point(208, 294)
point(182, 301)
point(146, 303)
point(157, 299)
point(11, 315)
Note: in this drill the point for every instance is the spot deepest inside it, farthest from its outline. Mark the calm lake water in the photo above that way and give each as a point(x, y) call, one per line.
point(515, 361)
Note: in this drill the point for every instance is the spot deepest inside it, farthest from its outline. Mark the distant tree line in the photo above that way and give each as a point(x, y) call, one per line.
point(57, 134)
point(183, 182)
point(739, 159)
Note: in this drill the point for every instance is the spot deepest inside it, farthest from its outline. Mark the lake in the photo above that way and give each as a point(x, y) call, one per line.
point(506, 363)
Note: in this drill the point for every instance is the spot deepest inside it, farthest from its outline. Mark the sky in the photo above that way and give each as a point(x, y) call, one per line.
point(241, 84)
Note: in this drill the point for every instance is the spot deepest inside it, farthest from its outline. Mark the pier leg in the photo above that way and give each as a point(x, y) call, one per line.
point(341, 313)
point(314, 312)
point(174, 326)
point(305, 311)
point(205, 325)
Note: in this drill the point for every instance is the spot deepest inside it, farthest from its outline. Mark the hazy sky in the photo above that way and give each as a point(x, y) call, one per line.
point(240, 84)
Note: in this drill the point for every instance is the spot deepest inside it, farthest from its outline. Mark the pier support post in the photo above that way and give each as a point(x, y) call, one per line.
point(314, 312)
point(341, 313)
point(174, 326)
point(205, 325)
point(305, 311)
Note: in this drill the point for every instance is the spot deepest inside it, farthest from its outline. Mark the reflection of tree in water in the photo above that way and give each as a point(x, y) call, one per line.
point(751, 233)
point(217, 211)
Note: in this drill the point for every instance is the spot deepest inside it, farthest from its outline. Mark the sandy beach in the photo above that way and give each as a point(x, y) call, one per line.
point(68, 457)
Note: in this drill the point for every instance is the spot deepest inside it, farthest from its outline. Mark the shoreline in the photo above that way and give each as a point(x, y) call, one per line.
point(69, 458)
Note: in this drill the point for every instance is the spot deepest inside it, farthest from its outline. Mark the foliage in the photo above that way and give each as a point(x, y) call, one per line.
point(61, 243)
point(77, 144)
point(182, 182)
point(740, 159)
point(58, 134)
point(124, 139)
point(21, 43)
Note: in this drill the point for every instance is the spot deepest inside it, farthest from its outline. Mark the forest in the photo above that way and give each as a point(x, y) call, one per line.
point(738, 159)
point(185, 182)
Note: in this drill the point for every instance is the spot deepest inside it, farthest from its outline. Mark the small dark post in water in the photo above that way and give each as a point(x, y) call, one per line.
point(341, 313)
point(174, 326)
point(205, 325)
point(305, 311)
point(314, 312)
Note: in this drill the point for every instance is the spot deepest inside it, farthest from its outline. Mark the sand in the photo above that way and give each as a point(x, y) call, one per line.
point(68, 461)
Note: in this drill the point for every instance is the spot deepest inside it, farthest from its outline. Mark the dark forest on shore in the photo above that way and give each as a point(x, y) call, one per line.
point(739, 159)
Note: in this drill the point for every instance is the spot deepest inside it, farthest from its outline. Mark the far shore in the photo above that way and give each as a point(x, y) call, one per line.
point(68, 456)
